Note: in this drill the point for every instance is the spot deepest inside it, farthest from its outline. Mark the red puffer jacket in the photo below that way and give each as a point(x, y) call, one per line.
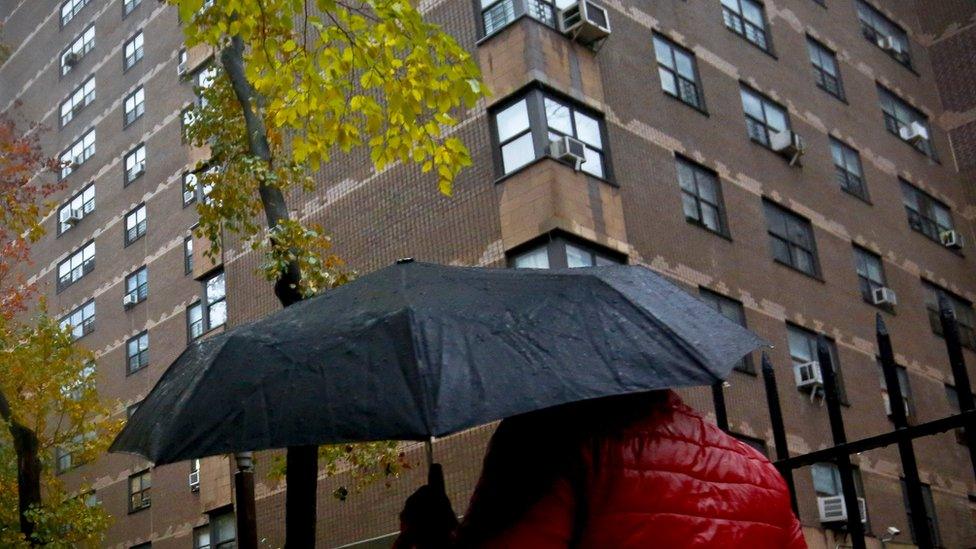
point(673, 480)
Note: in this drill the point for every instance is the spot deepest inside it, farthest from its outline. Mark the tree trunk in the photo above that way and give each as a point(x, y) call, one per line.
point(301, 475)
point(28, 467)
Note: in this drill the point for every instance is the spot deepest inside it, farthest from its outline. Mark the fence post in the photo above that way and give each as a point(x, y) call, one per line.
point(964, 391)
point(913, 486)
point(776, 422)
point(718, 400)
point(854, 525)
point(244, 503)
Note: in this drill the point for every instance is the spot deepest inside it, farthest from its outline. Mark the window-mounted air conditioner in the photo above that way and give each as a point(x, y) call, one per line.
point(76, 108)
point(71, 58)
point(137, 171)
point(808, 375)
point(194, 480)
point(883, 296)
point(130, 299)
point(914, 132)
point(585, 21)
point(70, 216)
point(887, 404)
point(787, 143)
point(951, 239)
point(833, 509)
point(568, 149)
point(77, 161)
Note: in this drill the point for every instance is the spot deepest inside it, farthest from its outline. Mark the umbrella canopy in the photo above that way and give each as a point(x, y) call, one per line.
point(418, 350)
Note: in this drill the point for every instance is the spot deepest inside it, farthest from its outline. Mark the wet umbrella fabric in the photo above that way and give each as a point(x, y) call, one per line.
point(418, 350)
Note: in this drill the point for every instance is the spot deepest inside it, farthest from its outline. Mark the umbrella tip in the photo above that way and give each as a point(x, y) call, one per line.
point(403, 260)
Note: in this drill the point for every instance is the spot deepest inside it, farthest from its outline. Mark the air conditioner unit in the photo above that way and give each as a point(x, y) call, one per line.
point(787, 143)
point(194, 480)
point(833, 509)
point(71, 58)
point(568, 149)
point(808, 375)
point(130, 299)
point(70, 216)
point(77, 161)
point(886, 43)
point(76, 108)
point(887, 404)
point(883, 296)
point(140, 169)
point(914, 132)
point(951, 239)
point(585, 21)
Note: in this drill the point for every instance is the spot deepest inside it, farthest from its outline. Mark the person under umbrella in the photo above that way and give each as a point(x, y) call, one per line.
point(633, 471)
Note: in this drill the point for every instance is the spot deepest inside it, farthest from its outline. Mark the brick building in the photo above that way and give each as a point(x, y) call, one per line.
point(684, 116)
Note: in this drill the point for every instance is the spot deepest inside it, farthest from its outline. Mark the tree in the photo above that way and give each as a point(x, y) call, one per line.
point(303, 80)
point(48, 402)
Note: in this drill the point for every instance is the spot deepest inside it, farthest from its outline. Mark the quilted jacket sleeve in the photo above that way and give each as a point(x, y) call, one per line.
point(797, 541)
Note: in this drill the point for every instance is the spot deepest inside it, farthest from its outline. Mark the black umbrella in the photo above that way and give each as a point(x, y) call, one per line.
point(418, 350)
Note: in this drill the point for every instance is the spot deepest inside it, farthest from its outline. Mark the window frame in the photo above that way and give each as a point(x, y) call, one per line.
point(699, 172)
point(821, 74)
point(187, 254)
point(87, 98)
point(129, 6)
point(871, 32)
point(924, 214)
point(810, 337)
point(696, 84)
point(904, 384)
point(131, 174)
point(87, 325)
point(86, 266)
point(535, 95)
point(966, 321)
point(209, 304)
point(85, 154)
point(139, 229)
point(191, 192)
point(138, 52)
point(721, 303)
point(767, 103)
point(141, 356)
point(138, 97)
point(85, 206)
point(931, 515)
point(144, 489)
point(890, 103)
point(190, 323)
point(867, 284)
point(541, 11)
point(792, 220)
point(85, 42)
point(141, 289)
point(854, 184)
point(556, 245)
point(729, 17)
point(76, 7)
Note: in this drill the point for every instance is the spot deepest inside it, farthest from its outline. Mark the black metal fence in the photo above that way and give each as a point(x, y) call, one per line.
point(902, 435)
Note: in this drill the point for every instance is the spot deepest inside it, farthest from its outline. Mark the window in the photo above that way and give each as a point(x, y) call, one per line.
point(497, 14)
point(77, 265)
point(559, 252)
point(746, 18)
point(135, 105)
point(732, 310)
point(135, 163)
point(701, 197)
point(825, 70)
point(81, 321)
point(903, 385)
point(791, 238)
point(204, 79)
point(926, 214)
point(70, 8)
point(80, 46)
point(129, 5)
point(953, 397)
point(803, 349)
point(930, 517)
point(75, 209)
point(132, 51)
point(78, 100)
point(678, 71)
point(137, 353)
point(85, 381)
point(137, 285)
point(135, 224)
point(764, 118)
point(847, 169)
point(906, 122)
point(78, 153)
point(222, 530)
point(826, 483)
point(214, 300)
point(525, 129)
point(201, 537)
point(189, 186)
point(139, 487)
point(194, 321)
point(870, 272)
point(884, 33)
point(67, 457)
point(188, 255)
point(965, 317)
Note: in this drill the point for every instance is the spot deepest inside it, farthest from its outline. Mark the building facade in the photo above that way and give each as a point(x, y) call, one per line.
point(678, 138)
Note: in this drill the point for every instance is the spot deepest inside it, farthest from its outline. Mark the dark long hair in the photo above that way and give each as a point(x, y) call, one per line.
point(529, 452)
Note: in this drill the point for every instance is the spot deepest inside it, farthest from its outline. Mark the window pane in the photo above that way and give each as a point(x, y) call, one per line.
point(577, 257)
point(684, 65)
point(518, 153)
point(775, 118)
point(535, 259)
point(662, 51)
point(752, 105)
point(594, 163)
point(218, 314)
point(511, 121)
point(557, 117)
point(588, 130)
point(667, 81)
